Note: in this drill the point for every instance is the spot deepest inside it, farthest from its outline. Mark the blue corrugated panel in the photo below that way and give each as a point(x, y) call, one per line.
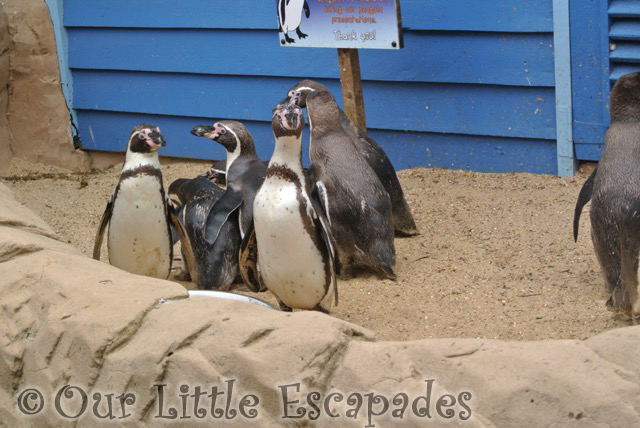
point(625, 30)
point(472, 89)
point(624, 8)
point(626, 52)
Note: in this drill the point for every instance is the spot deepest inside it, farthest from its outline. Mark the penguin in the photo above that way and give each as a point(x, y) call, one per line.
point(615, 199)
point(290, 17)
point(216, 265)
point(138, 215)
point(403, 222)
point(291, 240)
point(244, 176)
point(358, 206)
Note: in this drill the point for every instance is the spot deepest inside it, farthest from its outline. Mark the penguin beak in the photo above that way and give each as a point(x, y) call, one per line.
point(160, 140)
point(203, 131)
point(293, 119)
point(156, 140)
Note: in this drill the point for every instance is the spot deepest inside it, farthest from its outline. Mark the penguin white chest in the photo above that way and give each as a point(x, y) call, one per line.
point(293, 15)
point(139, 240)
point(290, 262)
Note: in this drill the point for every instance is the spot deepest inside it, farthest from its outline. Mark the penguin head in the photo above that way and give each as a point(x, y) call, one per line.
point(299, 93)
point(232, 135)
point(625, 99)
point(287, 120)
point(322, 108)
point(145, 138)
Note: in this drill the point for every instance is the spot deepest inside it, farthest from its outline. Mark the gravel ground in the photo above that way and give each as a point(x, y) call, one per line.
point(495, 257)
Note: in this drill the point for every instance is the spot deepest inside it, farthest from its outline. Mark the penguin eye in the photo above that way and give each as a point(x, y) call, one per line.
point(140, 136)
point(223, 131)
point(292, 93)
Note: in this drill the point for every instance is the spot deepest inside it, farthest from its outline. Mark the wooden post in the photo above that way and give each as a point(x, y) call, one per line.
point(352, 86)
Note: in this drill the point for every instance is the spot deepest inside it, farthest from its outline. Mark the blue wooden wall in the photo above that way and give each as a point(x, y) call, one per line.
point(472, 89)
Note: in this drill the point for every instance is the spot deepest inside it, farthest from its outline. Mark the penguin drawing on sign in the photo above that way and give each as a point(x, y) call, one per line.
point(290, 16)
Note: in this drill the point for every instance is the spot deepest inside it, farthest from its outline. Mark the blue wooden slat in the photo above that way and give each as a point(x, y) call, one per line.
point(590, 72)
point(625, 8)
point(465, 109)
point(508, 59)
point(452, 15)
point(589, 152)
point(626, 52)
point(109, 131)
point(618, 70)
point(625, 30)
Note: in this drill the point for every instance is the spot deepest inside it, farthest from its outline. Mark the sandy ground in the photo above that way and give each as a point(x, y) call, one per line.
point(495, 257)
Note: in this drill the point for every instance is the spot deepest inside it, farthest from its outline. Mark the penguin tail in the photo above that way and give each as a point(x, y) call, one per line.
point(583, 197)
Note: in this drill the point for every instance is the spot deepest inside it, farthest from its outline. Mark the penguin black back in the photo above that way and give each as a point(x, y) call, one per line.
point(616, 191)
point(403, 221)
point(216, 264)
point(358, 206)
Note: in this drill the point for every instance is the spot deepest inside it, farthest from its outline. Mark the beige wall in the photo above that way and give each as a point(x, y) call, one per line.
point(37, 127)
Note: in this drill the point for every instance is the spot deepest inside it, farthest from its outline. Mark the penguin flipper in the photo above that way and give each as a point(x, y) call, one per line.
point(583, 198)
point(179, 211)
point(220, 212)
point(319, 202)
point(106, 217)
point(187, 249)
point(307, 11)
point(249, 261)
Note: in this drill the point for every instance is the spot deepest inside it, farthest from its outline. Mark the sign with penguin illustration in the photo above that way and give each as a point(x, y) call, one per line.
point(354, 24)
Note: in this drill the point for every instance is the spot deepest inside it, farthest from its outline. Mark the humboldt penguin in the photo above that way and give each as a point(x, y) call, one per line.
point(290, 17)
point(216, 265)
point(138, 215)
point(357, 205)
point(291, 241)
point(615, 199)
point(403, 222)
point(244, 176)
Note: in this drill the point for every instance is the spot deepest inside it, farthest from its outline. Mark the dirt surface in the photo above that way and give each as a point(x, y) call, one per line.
point(495, 257)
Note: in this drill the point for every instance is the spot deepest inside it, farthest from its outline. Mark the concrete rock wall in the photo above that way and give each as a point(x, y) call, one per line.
point(38, 127)
point(5, 138)
point(72, 326)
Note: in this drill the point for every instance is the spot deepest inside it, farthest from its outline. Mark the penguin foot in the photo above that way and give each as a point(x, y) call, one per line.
point(183, 276)
point(284, 308)
point(609, 304)
point(406, 233)
point(300, 34)
point(321, 309)
point(346, 272)
point(387, 273)
point(288, 39)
